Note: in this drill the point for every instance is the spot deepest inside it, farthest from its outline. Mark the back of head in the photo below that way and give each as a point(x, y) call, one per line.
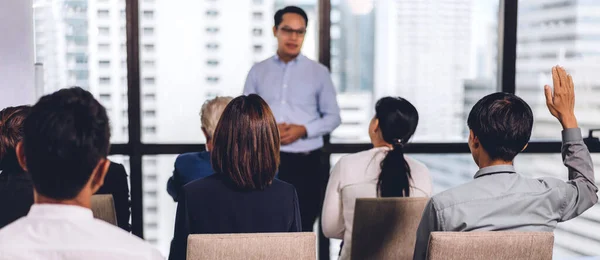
point(398, 120)
point(211, 112)
point(11, 133)
point(66, 135)
point(246, 143)
point(503, 123)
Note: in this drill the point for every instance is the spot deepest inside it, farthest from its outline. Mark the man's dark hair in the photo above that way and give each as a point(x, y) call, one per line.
point(502, 122)
point(66, 134)
point(289, 9)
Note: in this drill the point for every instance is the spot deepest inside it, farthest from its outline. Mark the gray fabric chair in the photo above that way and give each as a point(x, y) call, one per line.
point(103, 207)
point(386, 228)
point(509, 245)
point(252, 246)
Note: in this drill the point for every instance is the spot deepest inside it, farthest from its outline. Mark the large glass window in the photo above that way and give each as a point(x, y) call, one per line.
point(198, 55)
point(77, 44)
point(185, 72)
point(564, 33)
point(440, 55)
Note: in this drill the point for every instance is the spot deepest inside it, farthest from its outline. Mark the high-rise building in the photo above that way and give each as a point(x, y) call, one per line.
point(422, 52)
point(61, 42)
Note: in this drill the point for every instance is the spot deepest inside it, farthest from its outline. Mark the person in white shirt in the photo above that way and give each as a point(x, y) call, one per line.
point(64, 149)
point(383, 171)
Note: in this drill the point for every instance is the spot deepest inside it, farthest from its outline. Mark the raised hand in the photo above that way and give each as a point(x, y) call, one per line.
point(561, 99)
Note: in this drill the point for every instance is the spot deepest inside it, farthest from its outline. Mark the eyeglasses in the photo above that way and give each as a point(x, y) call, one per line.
point(286, 31)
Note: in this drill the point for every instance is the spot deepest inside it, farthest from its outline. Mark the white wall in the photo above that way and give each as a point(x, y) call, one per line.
point(16, 53)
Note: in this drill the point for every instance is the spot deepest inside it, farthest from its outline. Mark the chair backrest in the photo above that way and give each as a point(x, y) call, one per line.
point(491, 244)
point(386, 228)
point(252, 246)
point(103, 207)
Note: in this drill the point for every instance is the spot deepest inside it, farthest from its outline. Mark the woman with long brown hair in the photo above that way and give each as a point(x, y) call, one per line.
point(243, 195)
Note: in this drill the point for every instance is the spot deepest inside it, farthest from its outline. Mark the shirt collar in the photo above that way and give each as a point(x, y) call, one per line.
point(294, 61)
point(58, 211)
point(495, 170)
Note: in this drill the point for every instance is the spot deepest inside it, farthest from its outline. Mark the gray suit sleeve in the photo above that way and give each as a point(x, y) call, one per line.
point(430, 222)
point(580, 190)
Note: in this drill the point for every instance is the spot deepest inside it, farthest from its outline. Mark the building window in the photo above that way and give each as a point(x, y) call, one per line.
point(150, 113)
point(257, 16)
point(212, 63)
point(148, 31)
point(103, 13)
point(151, 177)
point(212, 13)
point(149, 63)
point(149, 47)
point(257, 1)
point(150, 130)
point(149, 14)
point(81, 75)
point(257, 32)
point(151, 194)
point(149, 161)
point(104, 80)
point(103, 30)
point(212, 29)
point(104, 63)
point(104, 97)
point(81, 60)
point(149, 80)
point(258, 48)
point(103, 46)
point(212, 46)
point(149, 97)
point(212, 80)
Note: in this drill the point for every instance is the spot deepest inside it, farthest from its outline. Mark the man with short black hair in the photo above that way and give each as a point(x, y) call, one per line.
point(301, 95)
point(499, 198)
point(64, 149)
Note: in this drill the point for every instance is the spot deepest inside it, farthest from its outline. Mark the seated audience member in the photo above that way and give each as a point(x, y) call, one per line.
point(242, 196)
point(64, 148)
point(501, 199)
point(383, 171)
point(192, 166)
point(116, 184)
point(16, 191)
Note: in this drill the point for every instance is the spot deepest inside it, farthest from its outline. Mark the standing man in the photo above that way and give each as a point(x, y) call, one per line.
point(302, 97)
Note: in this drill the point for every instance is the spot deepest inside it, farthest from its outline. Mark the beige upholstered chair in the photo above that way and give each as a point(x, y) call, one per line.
point(386, 228)
point(509, 245)
point(252, 246)
point(103, 208)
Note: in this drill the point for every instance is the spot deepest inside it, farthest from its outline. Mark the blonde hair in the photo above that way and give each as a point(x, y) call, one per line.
point(211, 112)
